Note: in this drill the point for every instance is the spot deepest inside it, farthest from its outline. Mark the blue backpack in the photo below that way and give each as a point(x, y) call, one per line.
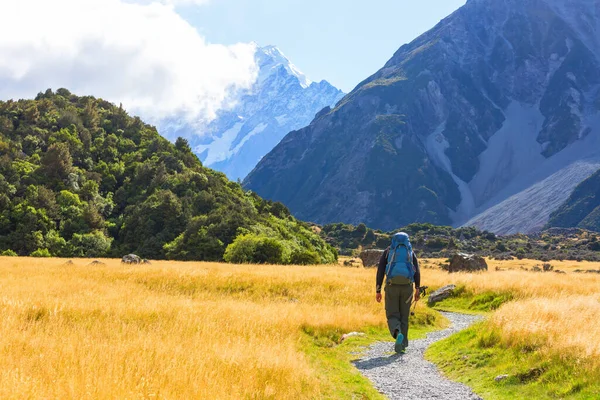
point(400, 260)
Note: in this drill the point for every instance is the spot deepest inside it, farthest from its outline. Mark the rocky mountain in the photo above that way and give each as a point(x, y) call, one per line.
point(282, 100)
point(582, 209)
point(491, 119)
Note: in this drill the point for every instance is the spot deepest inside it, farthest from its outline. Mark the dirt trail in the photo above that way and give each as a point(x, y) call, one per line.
point(410, 376)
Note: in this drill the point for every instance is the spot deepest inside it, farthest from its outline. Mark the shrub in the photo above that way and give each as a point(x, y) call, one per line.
point(269, 251)
point(41, 253)
point(305, 257)
point(8, 253)
point(94, 244)
point(252, 248)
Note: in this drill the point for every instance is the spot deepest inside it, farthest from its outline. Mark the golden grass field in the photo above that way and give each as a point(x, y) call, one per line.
point(559, 314)
point(217, 331)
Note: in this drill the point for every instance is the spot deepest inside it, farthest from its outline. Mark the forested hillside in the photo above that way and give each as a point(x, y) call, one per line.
point(79, 177)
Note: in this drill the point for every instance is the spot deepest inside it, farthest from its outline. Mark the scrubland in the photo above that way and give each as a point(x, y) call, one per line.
point(208, 330)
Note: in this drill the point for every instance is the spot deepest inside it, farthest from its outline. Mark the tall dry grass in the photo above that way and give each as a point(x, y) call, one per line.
point(556, 314)
point(521, 284)
point(207, 330)
point(170, 330)
point(565, 327)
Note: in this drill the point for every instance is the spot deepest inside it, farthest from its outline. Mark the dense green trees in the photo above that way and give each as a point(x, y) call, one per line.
point(79, 177)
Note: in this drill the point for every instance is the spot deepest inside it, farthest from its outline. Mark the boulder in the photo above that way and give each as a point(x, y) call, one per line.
point(441, 294)
point(370, 258)
point(351, 334)
point(467, 262)
point(131, 259)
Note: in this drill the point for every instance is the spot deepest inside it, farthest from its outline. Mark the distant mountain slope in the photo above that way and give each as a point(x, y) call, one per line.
point(80, 177)
point(282, 100)
point(495, 99)
point(582, 209)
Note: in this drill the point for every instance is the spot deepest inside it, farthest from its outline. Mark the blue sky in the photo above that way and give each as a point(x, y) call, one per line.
point(338, 40)
point(190, 58)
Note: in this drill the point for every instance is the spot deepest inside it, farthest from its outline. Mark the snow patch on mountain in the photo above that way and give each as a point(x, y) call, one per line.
point(219, 149)
point(259, 129)
point(270, 57)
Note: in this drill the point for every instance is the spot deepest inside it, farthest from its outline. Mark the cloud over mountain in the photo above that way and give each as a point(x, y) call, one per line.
point(144, 55)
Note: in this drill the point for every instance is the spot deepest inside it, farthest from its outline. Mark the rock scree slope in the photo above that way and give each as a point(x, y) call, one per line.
point(473, 114)
point(410, 376)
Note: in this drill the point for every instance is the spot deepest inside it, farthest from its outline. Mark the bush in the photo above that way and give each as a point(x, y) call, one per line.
point(305, 257)
point(252, 248)
point(8, 253)
point(41, 253)
point(269, 251)
point(94, 244)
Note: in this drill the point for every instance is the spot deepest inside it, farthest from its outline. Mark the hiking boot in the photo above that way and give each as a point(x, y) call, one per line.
point(398, 346)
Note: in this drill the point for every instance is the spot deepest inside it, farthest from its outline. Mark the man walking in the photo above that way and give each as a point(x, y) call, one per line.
point(400, 267)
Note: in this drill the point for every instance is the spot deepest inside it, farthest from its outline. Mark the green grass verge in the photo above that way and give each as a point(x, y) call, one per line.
point(475, 357)
point(333, 361)
point(467, 302)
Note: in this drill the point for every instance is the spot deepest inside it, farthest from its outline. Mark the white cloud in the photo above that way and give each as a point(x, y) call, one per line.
point(143, 55)
point(171, 2)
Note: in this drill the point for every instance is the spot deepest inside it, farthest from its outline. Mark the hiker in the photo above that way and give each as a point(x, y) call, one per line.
point(400, 267)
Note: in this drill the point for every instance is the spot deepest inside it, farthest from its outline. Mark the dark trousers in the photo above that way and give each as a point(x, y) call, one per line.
point(398, 299)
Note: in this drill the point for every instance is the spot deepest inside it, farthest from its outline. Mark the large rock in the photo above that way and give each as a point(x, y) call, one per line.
point(370, 258)
point(467, 262)
point(131, 259)
point(441, 294)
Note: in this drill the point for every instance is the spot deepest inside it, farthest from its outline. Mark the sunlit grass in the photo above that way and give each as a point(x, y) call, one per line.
point(541, 331)
point(178, 330)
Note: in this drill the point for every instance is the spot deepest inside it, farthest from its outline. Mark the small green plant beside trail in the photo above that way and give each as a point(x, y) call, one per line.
point(333, 360)
point(468, 302)
point(476, 357)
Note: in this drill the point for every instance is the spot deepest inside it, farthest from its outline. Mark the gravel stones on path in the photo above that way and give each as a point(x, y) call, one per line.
point(410, 376)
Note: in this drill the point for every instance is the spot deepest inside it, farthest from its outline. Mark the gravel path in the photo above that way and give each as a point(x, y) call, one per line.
point(410, 376)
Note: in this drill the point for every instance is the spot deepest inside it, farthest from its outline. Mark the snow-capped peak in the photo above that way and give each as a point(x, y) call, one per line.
point(269, 58)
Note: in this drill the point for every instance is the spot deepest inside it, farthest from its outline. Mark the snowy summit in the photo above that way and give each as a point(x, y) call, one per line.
point(281, 100)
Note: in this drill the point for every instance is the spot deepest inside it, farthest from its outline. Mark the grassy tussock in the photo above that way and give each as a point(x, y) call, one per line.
point(176, 330)
point(565, 327)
